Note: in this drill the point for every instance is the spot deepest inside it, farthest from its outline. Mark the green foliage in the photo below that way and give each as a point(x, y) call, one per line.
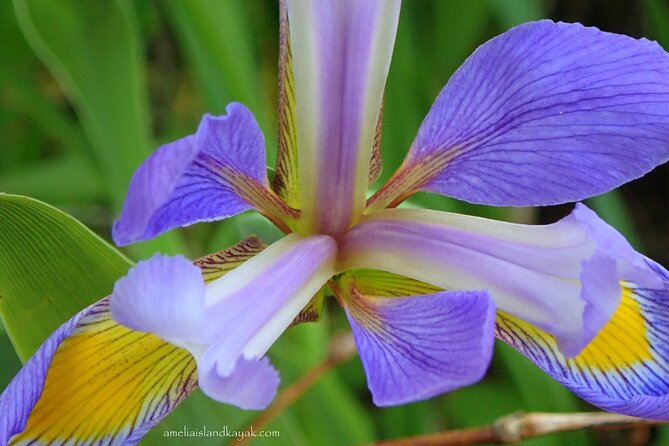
point(94, 51)
point(51, 266)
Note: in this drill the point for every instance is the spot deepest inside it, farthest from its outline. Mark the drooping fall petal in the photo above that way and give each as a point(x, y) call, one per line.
point(625, 369)
point(545, 113)
point(417, 347)
point(94, 381)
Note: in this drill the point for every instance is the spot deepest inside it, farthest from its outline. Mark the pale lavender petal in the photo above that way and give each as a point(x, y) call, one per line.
point(249, 307)
point(414, 348)
point(614, 260)
point(211, 175)
point(545, 113)
point(252, 385)
point(163, 295)
point(341, 53)
point(563, 278)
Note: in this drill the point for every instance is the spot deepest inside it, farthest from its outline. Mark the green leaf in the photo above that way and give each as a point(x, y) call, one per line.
point(94, 51)
point(657, 16)
point(51, 266)
point(297, 351)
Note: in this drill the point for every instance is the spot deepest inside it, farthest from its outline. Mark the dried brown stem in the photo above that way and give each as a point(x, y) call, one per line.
point(342, 348)
point(519, 426)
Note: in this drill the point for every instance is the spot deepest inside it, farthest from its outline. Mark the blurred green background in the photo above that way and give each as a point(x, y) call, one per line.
point(88, 88)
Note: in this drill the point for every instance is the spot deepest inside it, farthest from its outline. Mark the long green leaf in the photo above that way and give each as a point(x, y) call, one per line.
point(217, 42)
point(51, 266)
point(44, 181)
point(94, 51)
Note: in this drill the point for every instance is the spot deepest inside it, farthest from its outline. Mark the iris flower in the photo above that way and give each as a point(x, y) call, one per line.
point(545, 113)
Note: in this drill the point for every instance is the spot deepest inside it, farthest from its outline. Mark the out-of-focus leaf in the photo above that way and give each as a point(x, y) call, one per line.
point(457, 29)
point(51, 266)
point(404, 108)
point(481, 403)
point(217, 41)
point(22, 96)
point(409, 419)
point(61, 181)
point(9, 364)
point(657, 12)
point(512, 12)
point(230, 231)
point(611, 208)
point(538, 392)
point(94, 51)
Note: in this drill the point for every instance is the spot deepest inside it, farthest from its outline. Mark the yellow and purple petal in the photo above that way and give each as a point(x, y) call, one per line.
point(94, 382)
point(340, 57)
point(625, 369)
point(546, 113)
point(218, 172)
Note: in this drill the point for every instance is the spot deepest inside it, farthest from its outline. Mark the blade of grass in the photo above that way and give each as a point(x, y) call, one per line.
point(94, 51)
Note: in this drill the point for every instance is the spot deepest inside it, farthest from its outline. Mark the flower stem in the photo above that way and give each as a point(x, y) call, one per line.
point(342, 348)
point(519, 426)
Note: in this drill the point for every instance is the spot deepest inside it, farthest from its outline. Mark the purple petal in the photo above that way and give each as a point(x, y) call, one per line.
point(341, 54)
point(563, 278)
point(625, 369)
point(417, 347)
point(214, 174)
point(251, 386)
point(94, 382)
point(163, 295)
point(544, 114)
point(20, 396)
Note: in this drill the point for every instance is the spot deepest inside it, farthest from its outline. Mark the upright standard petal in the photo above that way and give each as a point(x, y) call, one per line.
point(546, 113)
point(216, 173)
point(625, 369)
point(416, 347)
point(563, 278)
point(341, 53)
point(230, 324)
